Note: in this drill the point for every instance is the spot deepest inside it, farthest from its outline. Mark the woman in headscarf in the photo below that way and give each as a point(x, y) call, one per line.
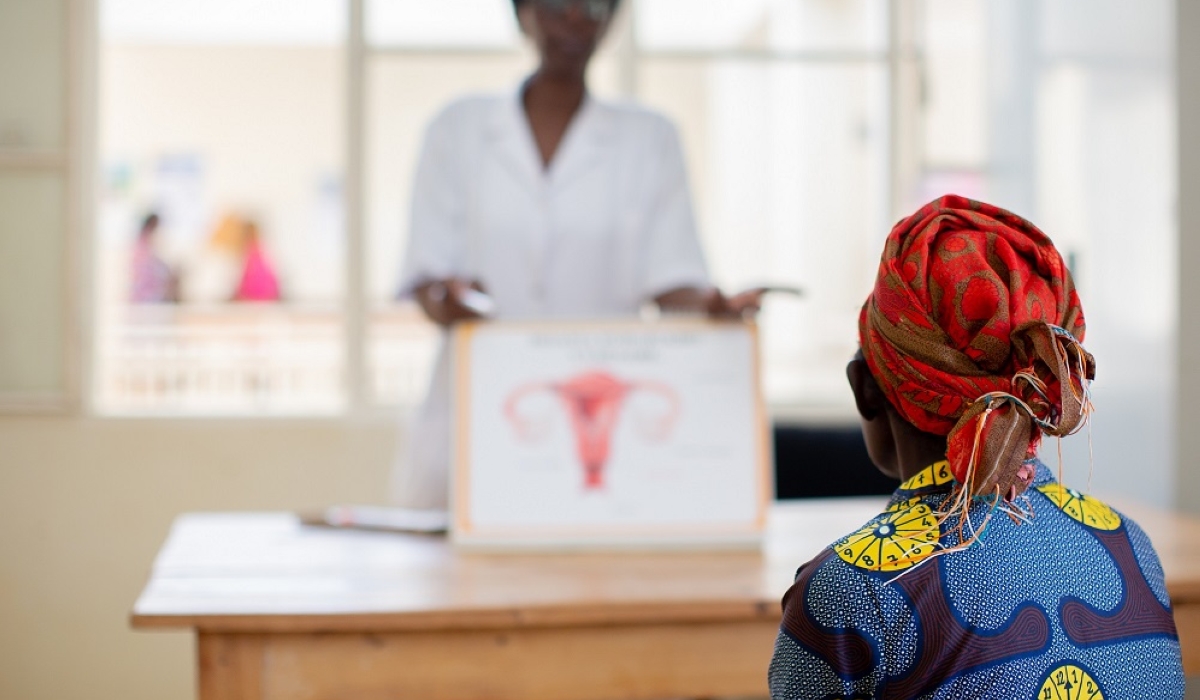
point(984, 577)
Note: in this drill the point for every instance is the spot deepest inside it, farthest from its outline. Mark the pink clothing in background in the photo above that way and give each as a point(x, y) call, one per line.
point(258, 279)
point(152, 278)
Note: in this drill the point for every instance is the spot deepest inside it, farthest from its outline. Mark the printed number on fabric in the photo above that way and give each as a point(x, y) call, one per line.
point(936, 474)
point(1069, 682)
point(898, 539)
point(1081, 507)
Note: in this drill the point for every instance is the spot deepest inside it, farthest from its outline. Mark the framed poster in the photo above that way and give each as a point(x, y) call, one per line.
point(608, 434)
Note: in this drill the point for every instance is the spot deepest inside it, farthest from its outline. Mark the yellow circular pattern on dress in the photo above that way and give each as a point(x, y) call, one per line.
point(1069, 682)
point(1082, 507)
point(935, 474)
point(896, 540)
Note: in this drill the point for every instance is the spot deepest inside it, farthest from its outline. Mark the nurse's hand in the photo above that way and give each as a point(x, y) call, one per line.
point(712, 302)
point(741, 305)
point(442, 301)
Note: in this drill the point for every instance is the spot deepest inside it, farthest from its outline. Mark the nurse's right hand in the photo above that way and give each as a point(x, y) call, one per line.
point(442, 300)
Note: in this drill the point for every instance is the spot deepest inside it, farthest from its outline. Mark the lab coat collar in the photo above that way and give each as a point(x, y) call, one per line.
point(587, 135)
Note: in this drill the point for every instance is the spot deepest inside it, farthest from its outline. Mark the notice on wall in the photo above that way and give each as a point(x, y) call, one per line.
point(620, 433)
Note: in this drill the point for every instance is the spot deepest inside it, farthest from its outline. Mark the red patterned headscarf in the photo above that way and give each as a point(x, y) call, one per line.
point(973, 332)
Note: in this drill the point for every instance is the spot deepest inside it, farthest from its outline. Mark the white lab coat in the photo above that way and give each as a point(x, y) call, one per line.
point(608, 226)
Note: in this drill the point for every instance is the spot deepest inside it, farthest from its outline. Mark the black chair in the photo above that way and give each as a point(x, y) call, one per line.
point(820, 461)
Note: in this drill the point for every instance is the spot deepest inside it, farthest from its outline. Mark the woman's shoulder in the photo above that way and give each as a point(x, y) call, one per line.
point(634, 115)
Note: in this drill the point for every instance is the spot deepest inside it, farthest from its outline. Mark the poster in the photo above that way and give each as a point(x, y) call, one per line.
point(619, 433)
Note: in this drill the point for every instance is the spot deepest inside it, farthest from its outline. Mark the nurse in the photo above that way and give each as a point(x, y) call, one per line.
point(555, 204)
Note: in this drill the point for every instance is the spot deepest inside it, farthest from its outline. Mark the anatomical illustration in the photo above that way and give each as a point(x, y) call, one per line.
point(593, 402)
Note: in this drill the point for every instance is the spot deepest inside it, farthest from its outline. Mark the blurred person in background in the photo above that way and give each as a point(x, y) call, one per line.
point(153, 280)
point(214, 271)
point(258, 281)
point(554, 204)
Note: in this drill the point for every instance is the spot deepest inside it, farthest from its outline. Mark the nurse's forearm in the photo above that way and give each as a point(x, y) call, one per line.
point(425, 297)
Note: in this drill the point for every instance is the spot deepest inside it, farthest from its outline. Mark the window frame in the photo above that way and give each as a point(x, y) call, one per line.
point(67, 161)
point(900, 58)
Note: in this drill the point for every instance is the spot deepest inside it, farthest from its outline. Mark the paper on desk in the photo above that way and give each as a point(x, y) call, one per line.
point(380, 518)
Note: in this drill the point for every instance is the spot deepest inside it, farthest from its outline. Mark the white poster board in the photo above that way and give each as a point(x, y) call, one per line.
point(609, 434)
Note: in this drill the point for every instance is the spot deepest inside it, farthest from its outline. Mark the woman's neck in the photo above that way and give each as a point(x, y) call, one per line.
point(915, 449)
point(553, 94)
point(550, 105)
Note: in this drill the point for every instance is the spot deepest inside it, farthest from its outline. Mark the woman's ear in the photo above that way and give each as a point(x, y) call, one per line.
point(873, 406)
point(868, 399)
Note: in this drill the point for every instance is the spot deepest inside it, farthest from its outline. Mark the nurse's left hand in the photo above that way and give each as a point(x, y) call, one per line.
point(743, 305)
point(712, 302)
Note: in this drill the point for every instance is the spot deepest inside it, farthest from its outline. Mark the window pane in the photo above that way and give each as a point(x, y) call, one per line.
point(1134, 35)
point(32, 232)
point(256, 22)
point(233, 136)
point(778, 25)
point(32, 103)
point(1107, 83)
point(1105, 107)
point(444, 23)
point(955, 85)
point(789, 175)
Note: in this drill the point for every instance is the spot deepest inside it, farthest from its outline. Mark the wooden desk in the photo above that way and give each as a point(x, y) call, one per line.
point(285, 611)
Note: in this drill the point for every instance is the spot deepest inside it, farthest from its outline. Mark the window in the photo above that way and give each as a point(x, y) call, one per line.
point(785, 193)
point(808, 125)
point(783, 107)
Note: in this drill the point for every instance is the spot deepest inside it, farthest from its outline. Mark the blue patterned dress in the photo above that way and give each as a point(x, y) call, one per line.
point(1070, 605)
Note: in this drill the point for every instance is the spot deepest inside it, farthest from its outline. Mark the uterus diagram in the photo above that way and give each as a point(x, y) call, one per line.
point(593, 402)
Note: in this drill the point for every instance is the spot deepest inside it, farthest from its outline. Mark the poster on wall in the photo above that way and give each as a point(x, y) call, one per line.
point(609, 434)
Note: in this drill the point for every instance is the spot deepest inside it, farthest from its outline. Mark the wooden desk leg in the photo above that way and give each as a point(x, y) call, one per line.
point(231, 666)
